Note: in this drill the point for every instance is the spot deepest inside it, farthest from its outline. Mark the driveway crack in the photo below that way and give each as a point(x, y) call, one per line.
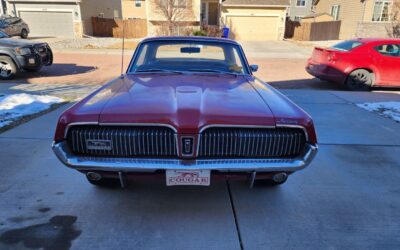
point(234, 215)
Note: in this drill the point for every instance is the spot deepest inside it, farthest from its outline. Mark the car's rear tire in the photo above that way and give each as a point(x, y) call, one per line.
point(24, 33)
point(360, 79)
point(105, 182)
point(8, 69)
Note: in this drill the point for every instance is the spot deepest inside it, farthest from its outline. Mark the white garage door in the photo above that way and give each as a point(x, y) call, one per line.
point(253, 28)
point(46, 23)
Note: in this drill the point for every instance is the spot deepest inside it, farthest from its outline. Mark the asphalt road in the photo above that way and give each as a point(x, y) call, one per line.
point(348, 198)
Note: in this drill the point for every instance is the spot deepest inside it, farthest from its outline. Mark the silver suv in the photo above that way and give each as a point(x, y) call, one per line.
point(14, 26)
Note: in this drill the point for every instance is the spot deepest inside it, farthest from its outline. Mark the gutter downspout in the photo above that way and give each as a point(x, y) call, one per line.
point(362, 19)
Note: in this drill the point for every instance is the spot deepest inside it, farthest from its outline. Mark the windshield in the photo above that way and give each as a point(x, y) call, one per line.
point(347, 45)
point(189, 56)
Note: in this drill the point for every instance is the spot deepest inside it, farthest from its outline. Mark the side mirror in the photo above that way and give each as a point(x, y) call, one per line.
point(254, 68)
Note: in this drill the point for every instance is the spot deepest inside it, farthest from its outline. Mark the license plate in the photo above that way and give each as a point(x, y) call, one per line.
point(31, 61)
point(188, 177)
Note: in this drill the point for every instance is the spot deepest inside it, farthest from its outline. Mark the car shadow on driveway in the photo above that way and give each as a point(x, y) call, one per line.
point(312, 83)
point(317, 84)
point(57, 69)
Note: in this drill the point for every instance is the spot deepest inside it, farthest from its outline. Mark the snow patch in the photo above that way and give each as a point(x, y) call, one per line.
point(387, 109)
point(16, 106)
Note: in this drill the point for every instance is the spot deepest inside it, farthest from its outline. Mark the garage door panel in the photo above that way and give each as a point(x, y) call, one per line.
point(45, 23)
point(255, 28)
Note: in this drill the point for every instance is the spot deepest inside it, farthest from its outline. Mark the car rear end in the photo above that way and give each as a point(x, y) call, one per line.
point(330, 63)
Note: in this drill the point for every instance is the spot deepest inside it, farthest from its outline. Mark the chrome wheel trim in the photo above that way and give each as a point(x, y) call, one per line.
point(5, 69)
point(360, 79)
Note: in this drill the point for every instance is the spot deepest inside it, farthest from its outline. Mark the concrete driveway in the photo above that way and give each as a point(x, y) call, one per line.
point(76, 73)
point(349, 198)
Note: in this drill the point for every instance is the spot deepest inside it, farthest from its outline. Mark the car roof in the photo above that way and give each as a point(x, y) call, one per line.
point(378, 40)
point(190, 38)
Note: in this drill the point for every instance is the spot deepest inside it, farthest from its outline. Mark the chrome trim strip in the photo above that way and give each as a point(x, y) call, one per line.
point(294, 126)
point(118, 124)
point(233, 126)
point(77, 124)
point(151, 165)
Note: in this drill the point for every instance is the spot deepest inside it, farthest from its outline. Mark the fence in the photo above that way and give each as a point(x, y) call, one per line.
point(315, 31)
point(106, 27)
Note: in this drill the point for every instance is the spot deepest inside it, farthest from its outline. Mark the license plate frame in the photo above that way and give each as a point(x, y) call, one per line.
point(183, 177)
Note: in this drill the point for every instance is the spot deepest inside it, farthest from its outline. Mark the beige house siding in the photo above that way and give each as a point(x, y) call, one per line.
point(191, 15)
point(107, 9)
point(130, 10)
point(322, 18)
point(351, 13)
point(263, 11)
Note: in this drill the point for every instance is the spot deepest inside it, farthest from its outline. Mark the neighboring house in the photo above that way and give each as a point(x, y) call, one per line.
point(360, 18)
point(3, 7)
point(247, 19)
point(256, 20)
point(317, 17)
point(123, 9)
point(187, 17)
point(60, 18)
point(299, 9)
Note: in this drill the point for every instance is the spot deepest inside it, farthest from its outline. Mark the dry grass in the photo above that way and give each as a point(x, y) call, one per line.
point(128, 45)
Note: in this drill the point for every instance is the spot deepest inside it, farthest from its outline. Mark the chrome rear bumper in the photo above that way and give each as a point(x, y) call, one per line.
point(87, 163)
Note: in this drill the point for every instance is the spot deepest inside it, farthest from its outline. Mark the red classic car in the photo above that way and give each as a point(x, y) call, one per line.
point(186, 104)
point(358, 64)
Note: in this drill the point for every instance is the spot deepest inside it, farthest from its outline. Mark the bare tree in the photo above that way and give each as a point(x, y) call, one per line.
point(393, 28)
point(173, 12)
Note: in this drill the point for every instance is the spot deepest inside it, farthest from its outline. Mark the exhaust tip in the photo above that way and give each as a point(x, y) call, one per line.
point(93, 176)
point(280, 177)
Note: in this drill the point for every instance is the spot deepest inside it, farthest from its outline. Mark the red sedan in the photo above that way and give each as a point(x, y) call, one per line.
point(358, 64)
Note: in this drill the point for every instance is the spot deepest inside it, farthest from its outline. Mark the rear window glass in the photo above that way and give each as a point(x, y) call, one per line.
point(347, 45)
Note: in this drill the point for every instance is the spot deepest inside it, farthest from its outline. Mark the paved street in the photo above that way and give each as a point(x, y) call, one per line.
point(348, 198)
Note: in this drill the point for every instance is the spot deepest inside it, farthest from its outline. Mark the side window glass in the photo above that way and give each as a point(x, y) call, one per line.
point(389, 49)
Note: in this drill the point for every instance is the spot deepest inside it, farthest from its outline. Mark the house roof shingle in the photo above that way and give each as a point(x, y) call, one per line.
point(257, 2)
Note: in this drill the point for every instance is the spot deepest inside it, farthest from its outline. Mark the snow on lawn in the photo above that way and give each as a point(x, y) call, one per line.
point(387, 109)
point(16, 106)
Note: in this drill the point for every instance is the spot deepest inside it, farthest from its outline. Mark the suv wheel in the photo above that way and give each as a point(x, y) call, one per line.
point(8, 69)
point(24, 33)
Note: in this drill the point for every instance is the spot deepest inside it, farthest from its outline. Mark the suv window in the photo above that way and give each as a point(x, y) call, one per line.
point(14, 20)
point(347, 45)
point(389, 49)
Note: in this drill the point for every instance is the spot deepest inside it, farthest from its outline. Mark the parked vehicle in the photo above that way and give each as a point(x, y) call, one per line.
point(358, 64)
point(188, 108)
point(14, 26)
point(17, 55)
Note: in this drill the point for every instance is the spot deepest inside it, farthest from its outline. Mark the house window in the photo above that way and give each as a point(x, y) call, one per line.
point(301, 3)
point(381, 11)
point(335, 10)
point(138, 3)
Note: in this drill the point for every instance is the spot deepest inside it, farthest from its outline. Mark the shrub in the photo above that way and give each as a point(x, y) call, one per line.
point(199, 33)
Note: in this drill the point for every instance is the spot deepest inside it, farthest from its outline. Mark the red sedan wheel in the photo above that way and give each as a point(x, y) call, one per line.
point(359, 79)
